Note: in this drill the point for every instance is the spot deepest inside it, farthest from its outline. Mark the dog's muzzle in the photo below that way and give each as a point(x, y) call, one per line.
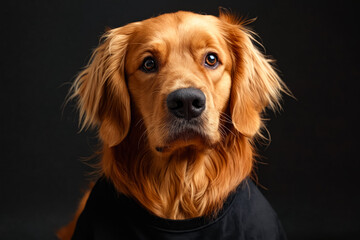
point(185, 106)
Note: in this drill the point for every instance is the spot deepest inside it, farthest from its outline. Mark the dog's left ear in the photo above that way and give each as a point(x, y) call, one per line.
point(255, 83)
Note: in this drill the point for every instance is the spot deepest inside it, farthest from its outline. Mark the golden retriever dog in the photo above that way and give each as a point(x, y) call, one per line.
point(177, 100)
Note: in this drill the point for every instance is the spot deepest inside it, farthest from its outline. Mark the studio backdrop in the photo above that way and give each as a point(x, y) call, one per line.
point(308, 171)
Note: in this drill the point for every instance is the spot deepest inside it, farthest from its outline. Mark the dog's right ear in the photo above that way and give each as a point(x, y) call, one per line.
point(103, 98)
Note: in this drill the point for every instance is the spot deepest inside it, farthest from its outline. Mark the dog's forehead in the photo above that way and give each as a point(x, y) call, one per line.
point(178, 27)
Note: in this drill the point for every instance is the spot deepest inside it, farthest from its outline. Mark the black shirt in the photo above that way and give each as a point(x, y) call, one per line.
point(108, 216)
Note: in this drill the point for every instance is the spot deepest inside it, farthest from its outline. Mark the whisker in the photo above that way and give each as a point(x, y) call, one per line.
point(141, 137)
point(222, 131)
point(229, 130)
point(225, 118)
point(141, 121)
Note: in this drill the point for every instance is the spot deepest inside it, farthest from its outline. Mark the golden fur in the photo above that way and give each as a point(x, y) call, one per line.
point(192, 176)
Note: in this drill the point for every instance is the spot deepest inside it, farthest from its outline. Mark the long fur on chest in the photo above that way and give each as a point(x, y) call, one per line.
point(188, 183)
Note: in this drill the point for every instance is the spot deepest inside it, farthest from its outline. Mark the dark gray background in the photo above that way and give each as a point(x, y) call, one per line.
point(311, 171)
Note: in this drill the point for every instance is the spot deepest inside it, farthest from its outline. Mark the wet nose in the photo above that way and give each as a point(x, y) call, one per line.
point(187, 103)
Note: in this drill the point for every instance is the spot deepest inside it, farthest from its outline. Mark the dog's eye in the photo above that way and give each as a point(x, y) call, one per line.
point(149, 65)
point(211, 60)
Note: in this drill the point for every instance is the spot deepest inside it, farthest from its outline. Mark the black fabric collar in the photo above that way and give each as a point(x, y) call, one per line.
point(144, 217)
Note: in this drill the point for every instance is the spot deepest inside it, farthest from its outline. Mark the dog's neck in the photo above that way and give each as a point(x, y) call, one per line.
point(186, 184)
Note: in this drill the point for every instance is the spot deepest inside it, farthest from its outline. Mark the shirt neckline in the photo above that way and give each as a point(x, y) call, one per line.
point(145, 217)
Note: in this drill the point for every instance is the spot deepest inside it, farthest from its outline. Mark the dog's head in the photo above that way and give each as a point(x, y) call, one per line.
point(191, 79)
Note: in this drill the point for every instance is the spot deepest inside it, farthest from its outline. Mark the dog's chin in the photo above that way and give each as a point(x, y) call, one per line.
point(182, 140)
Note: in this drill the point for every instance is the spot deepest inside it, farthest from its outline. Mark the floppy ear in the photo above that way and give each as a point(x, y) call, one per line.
point(255, 84)
point(103, 98)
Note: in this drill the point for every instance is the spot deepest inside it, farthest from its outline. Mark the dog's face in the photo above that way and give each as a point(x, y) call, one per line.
point(185, 74)
point(178, 73)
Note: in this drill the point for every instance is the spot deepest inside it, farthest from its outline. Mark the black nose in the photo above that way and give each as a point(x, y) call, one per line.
point(186, 103)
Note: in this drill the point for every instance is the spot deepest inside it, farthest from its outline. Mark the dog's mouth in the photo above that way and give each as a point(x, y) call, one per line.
point(184, 134)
